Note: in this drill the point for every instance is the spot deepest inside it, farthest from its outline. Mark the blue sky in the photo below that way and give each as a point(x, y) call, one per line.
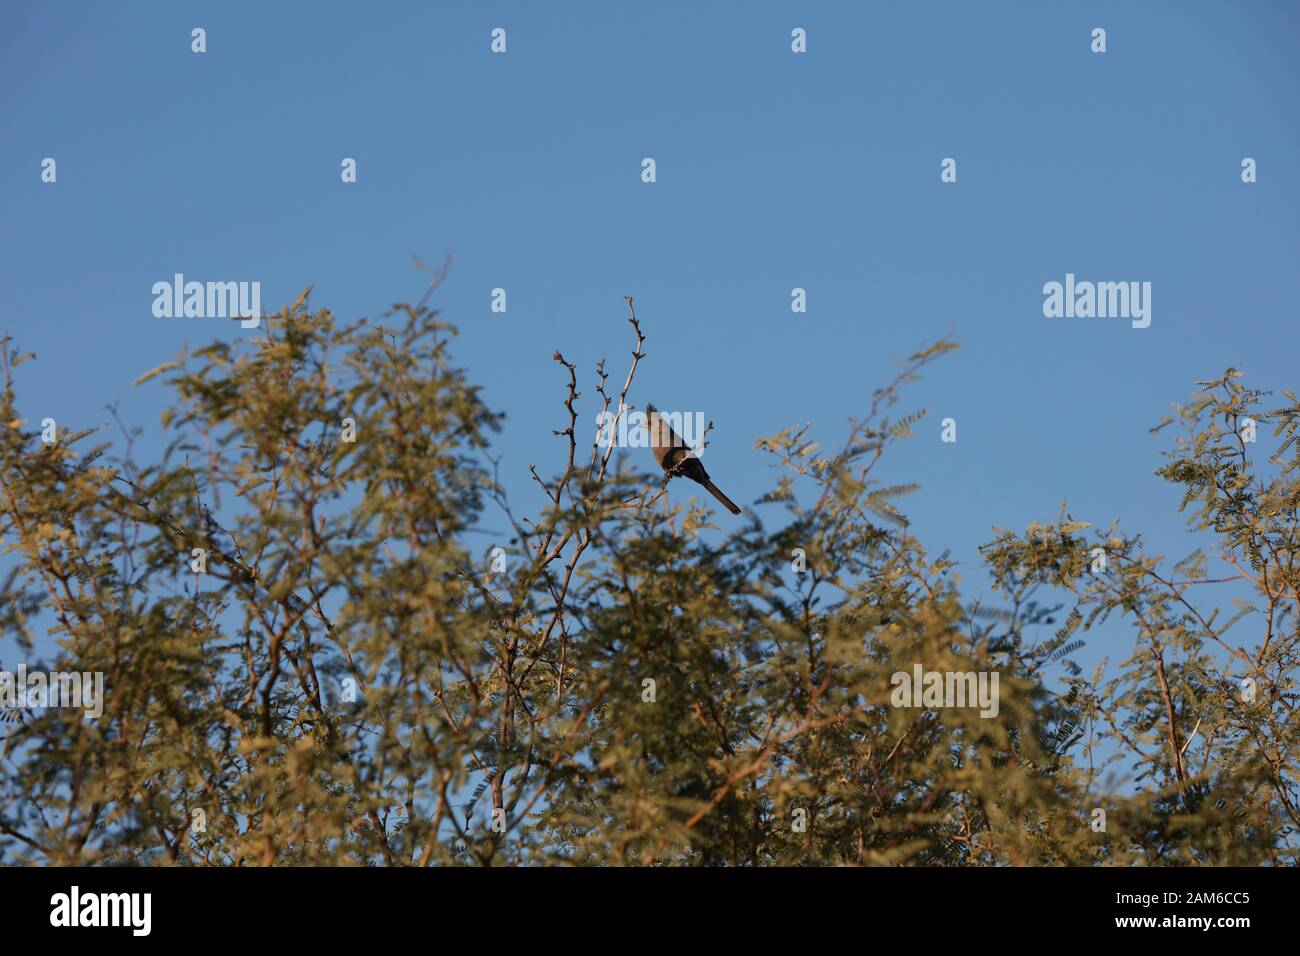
point(774, 171)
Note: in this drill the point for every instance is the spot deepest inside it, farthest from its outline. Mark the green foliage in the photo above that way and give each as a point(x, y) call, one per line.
point(632, 688)
point(1209, 725)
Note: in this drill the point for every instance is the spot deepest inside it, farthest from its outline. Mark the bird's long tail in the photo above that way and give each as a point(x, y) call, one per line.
point(726, 502)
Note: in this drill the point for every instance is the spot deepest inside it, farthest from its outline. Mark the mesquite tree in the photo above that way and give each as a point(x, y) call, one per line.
point(311, 656)
point(1203, 709)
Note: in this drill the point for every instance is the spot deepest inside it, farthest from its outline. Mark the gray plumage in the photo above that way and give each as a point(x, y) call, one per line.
point(675, 457)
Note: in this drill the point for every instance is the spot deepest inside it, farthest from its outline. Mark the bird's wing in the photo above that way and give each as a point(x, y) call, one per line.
point(661, 433)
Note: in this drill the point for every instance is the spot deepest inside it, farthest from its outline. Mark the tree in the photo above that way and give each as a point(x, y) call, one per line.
point(311, 657)
point(1210, 723)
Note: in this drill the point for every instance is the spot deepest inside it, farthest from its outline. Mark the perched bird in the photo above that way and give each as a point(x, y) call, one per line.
point(676, 458)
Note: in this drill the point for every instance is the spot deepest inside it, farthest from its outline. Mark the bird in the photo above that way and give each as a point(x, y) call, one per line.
point(676, 458)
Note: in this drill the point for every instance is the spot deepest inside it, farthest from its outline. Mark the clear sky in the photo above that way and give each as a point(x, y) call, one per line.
point(775, 170)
